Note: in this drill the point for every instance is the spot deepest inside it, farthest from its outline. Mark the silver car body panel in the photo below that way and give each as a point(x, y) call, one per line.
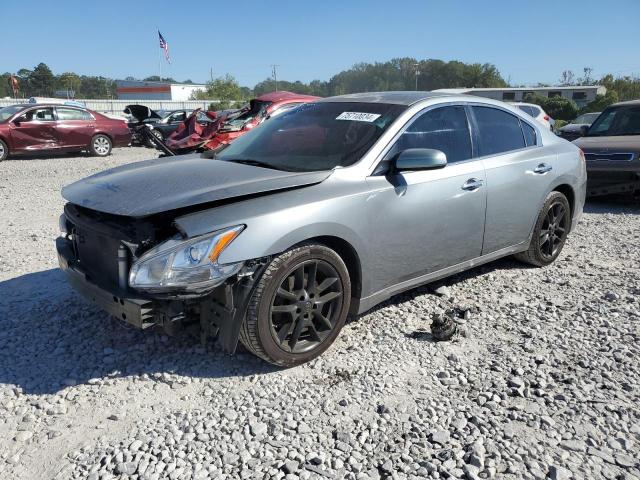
point(413, 227)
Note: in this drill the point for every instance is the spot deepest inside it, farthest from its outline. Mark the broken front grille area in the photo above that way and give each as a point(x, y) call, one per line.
point(106, 245)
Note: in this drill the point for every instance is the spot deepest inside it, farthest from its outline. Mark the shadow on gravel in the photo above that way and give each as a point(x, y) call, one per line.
point(50, 338)
point(612, 204)
point(507, 263)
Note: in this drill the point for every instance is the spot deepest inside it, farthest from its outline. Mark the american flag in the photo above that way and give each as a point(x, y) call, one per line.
point(164, 46)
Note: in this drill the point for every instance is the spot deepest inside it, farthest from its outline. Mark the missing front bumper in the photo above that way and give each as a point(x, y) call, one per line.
point(220, 313)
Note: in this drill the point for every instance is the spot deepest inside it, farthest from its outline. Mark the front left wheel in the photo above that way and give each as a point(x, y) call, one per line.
point(4, 151)
point(100, 145)
point(298, 306)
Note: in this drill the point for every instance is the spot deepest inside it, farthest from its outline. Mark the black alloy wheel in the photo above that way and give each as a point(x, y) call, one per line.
point(306, 306)
point(554, 230)
point(298, 305)
point(550, 231)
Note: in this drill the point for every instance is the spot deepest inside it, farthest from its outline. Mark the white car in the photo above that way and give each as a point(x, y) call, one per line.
point(536, 112)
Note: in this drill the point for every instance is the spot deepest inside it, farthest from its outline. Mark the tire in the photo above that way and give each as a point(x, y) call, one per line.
point(100, 146)
point(4, 151)
point(550, 232)
point(289, 321)
point(157, 134)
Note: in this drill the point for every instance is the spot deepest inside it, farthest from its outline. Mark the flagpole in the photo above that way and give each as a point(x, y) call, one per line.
point(159, 55)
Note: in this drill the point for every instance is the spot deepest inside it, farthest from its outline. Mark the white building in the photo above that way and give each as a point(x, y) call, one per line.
point(581, 94)
point(140, 90)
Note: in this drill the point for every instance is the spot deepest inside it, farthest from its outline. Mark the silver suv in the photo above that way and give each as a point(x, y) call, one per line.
point(324, 211)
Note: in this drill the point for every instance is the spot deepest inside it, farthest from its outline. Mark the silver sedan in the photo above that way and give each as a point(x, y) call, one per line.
point(322, 212)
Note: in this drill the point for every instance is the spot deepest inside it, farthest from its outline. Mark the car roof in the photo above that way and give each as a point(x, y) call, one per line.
point(629, 103)
point(38, 105)
point(281, 96)
point(526, 104)
point(398, 98)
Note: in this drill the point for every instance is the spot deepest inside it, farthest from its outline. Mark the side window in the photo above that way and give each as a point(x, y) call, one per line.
point(40, 115)
point(444, 128)
point(72, 114)
point(529, 134)
point(498, 131)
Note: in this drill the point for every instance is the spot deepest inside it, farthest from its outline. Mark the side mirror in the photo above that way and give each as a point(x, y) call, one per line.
point(420, 159)
point(20, 119)
point(583, 130)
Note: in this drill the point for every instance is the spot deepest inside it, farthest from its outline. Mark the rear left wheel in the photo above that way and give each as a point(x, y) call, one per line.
point(550, 232)
point(100, 145)
point(298, 306)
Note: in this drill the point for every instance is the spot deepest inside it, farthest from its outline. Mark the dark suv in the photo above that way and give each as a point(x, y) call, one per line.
point(612, 150)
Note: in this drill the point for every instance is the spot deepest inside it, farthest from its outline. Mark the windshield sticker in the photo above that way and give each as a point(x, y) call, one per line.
point(358, 116)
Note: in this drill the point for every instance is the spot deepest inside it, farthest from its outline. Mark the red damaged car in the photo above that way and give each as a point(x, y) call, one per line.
point(32, 128)
point(193, 135)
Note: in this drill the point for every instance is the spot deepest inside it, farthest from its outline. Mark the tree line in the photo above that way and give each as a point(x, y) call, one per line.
point(396, 74)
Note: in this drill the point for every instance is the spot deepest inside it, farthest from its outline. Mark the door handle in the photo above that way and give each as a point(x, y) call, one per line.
point(472, 184)
point(542, 168)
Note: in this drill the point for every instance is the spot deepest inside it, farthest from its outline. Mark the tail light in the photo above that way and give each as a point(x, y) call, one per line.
point(584, 161)
point(547, 118)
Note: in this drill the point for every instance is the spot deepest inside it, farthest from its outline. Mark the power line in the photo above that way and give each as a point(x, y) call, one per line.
point(274, 73)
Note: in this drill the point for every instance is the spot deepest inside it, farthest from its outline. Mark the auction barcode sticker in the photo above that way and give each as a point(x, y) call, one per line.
point(358, 116)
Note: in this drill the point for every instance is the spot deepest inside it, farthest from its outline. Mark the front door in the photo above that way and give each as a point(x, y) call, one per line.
point(34, 130)
point(429, 220)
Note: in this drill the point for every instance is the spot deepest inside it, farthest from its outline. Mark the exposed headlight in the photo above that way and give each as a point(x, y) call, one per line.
point(185, 265)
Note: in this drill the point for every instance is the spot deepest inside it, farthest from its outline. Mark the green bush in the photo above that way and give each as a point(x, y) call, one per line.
point(600, 103)
point(558, 108)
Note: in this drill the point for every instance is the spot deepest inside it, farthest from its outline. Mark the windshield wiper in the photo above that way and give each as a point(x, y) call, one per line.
point(254, 163)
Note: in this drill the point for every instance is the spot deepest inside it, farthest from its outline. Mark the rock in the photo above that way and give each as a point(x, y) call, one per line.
point(290, 467)
point(559, 473)
point(626, 461)
point(258, 429)
point(23, 436)
point(574, 445)
point(441, 437)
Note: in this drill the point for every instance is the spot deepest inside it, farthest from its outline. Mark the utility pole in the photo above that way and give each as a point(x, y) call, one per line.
point(417, 73)
point(274, 73)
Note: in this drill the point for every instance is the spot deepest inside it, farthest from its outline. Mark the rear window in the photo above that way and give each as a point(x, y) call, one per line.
point(529, 134)
point(498, 131)
point(72, 114)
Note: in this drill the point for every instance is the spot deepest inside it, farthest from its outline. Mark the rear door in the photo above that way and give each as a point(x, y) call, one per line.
point(74, 126)
point(518, 173)
point(34, 130)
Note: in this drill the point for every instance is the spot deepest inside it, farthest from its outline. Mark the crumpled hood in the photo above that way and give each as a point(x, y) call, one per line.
point(620, 144)
point(164, 184)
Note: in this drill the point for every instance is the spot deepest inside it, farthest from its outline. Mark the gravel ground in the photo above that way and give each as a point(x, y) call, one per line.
point(542, 380)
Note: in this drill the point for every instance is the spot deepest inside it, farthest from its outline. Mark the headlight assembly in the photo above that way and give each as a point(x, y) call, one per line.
point(185, 264)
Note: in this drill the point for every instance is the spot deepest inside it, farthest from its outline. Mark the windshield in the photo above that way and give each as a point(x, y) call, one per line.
point(613, 121)
point(586, 118)
point(8, 112)
point(314, 136)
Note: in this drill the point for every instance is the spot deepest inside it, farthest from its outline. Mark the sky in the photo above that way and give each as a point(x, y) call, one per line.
point(529, 41)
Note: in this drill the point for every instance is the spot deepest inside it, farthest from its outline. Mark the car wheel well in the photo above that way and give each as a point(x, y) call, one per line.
point(351, 260)
point(568, 192)
point(103, 134)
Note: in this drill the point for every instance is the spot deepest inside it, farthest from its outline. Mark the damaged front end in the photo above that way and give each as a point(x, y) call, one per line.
point(144, 272)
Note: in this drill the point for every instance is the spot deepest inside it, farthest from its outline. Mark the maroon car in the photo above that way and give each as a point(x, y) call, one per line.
point(31, 128)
